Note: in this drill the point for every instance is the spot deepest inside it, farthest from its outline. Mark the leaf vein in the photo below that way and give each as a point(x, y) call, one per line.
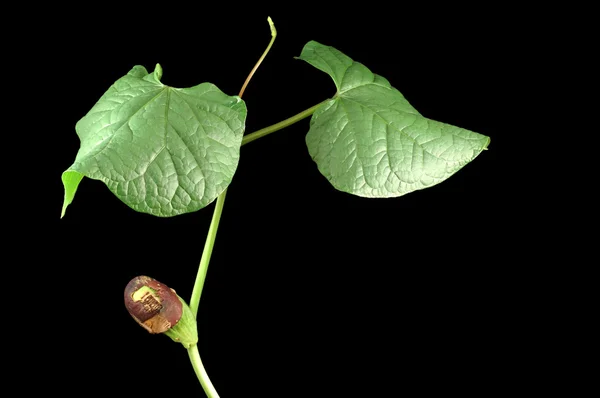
point(126, 121)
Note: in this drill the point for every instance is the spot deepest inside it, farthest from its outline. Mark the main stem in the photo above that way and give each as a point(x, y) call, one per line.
point(207, 385)
point(209, 389)
point(193, 352)
point(206, 253)
point(214, 225)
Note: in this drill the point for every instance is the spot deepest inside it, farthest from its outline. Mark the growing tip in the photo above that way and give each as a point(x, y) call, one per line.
point(272, 26)
point(158, 71)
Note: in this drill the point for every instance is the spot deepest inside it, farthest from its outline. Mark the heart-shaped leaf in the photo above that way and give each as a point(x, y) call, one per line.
point(162, 150)
point(369, 141)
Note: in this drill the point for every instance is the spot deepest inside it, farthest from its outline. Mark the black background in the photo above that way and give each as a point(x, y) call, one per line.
point(310, 291)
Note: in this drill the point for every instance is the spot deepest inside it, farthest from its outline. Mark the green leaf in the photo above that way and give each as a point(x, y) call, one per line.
point(369, 141)
point(162, 150)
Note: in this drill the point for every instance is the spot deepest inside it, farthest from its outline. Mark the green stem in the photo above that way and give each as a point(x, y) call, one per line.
point(214, 224)
point(206, 253)
point(209, 389)
point(278, 126)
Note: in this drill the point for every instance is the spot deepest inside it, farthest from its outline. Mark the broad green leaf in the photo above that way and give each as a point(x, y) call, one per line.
point(162, 150)
point(369, 141)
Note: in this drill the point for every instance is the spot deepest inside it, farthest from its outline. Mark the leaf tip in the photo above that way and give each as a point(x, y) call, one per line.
point(487, 143)
point(71, 180)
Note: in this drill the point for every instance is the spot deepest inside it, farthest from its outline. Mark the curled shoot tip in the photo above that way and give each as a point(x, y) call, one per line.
point(273, 35)
point(272, 26)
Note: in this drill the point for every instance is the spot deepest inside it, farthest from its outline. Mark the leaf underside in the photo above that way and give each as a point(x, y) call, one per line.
point(162, 150)
point(369, 141)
